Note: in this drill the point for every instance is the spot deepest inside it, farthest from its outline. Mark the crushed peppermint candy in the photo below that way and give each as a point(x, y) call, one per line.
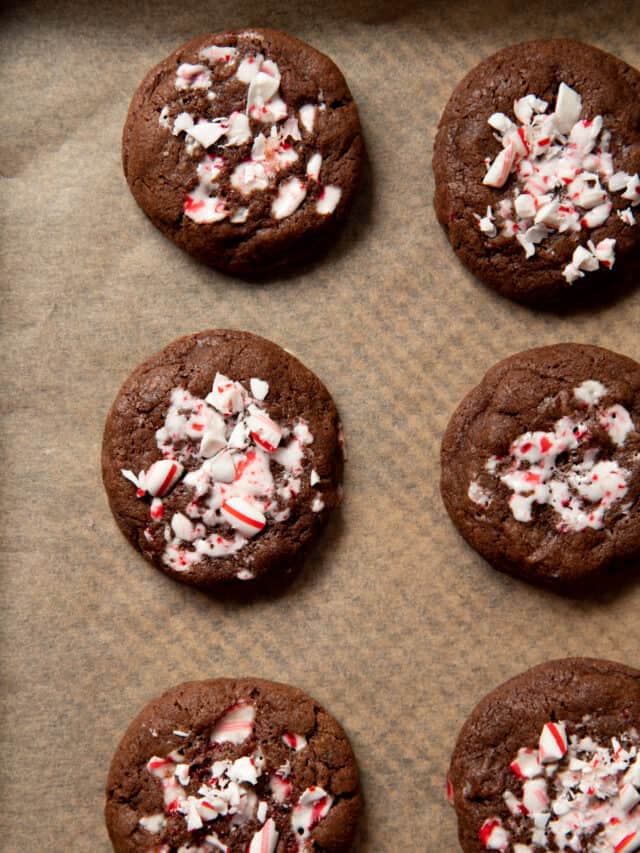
point(237, 468)
point(564, 178)
point(273, 128)
point(565, 468)
point(210, 791)
point(576, 795)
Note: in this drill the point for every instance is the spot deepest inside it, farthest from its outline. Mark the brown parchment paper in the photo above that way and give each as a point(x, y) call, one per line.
point(395, 624)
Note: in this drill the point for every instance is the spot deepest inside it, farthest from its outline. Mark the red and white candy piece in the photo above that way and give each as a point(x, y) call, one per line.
point(493, 835)
point(629, 843)
point(235, 725)
point(291, 194)
point(225, 395)
point(265, 840)
point(243, 516)
point(311, 808)
point(265, 432)
point(294, 741)
point(553, 743)
point(526, 764)
point(162, 476)
point(534, 796)
point(213, 840)
point(498, 172)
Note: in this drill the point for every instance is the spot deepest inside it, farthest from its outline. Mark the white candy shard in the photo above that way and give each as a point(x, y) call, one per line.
point(553, 742)
point(264, 431)
point(328, 201)
point(240, 216)
point(534, 796)
point(192, 77)
point(218, 54)
point(314, 165)
point(312, 807)
point(307, 115)
point(527, 764)
point(236, 724)
point(182, 527)
point(568, 108)
point(222, 468)
point(493, 835)
point(291, 194)
point(314, 478)
point(208, 132)
point(499, 170)
point(265, 840)
point(225, 396)
point(154, 823)
point(259, 388)
point(162, 476)
point(590, 392)
point(243, 516)
point(294, 741)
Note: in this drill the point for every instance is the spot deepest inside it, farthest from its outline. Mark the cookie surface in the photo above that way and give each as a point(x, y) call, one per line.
point(236, 765)
point(222, 458)
point(549, 761)
point(244, 148)
point(536, 165)
point(541, 464)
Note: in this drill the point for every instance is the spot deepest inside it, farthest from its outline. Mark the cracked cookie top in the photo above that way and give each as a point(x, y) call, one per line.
point(233, 765)
point(242, 145)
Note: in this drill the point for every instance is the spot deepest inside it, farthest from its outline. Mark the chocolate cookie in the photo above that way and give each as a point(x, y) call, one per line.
point(549, 761)
point(244, 148)
point(536, 165)
point(541, 464)
point(233, 765)
point(222, 458)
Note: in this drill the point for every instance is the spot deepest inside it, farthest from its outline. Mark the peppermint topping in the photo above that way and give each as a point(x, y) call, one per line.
point(564, 175)
point(587, 798)
point(296, 742)
point(236, 725)
point(237, 470)
point(311, 808)
point(266, 121)
point(562, 468)
point(209, 788)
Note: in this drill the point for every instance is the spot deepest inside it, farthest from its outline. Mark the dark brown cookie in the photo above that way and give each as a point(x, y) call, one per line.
point(549, 761)
point(541, 464)
point(533, 200)
point(236, 765)
point(244, 148)
point(222, 458)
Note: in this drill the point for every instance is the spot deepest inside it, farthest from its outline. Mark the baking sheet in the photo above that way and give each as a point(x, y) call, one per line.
point(395, 625)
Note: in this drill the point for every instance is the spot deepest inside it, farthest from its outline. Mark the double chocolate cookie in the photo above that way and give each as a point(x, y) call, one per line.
point(550, 761)
point(222, 458)
point(536, 165)
point(541, 464)
point(244, 148)
point(233, 765)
